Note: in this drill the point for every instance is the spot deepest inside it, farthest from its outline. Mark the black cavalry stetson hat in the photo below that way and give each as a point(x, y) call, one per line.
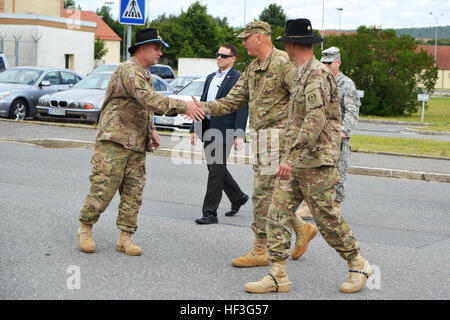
point(299, 31)
point(146, 36)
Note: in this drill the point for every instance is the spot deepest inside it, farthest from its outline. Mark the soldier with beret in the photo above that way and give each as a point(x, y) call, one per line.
point(309, 166)
point(350, 103)
point(125, 133)
point(266, 85)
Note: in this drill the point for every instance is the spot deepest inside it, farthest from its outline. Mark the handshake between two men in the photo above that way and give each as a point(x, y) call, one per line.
point(193, 110)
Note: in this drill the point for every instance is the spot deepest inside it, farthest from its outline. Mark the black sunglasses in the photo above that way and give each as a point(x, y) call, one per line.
point(327, 62)
point(222, 55)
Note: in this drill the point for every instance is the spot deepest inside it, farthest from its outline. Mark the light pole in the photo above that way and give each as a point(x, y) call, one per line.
point(245, 10)
point(340, 11)
point(323, 16)
point(436, 17)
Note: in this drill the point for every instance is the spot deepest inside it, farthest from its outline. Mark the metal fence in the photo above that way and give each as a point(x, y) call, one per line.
point(20, 49)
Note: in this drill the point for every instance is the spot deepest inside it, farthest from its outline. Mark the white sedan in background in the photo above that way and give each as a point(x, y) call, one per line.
point(177, 122)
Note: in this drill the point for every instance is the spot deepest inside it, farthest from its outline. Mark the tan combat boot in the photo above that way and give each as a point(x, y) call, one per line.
point(359, 271)
point(276, 281)
point(85, 238)
point(127, 245)
point(304, 212)
point(255, 258)
point(304, 234)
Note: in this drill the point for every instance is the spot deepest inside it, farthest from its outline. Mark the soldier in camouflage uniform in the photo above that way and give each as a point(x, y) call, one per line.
point(350, 103)
point(266, 85)
point(309, 166)
point(125, 133)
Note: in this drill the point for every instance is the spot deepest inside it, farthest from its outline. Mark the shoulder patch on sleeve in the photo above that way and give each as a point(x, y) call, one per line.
point(313, 95)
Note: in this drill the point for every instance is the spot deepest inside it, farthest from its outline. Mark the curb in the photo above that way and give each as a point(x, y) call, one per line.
point(395, 122)
point(199, 156)
point(400, 154)
point(425, 132)
point(395, 173)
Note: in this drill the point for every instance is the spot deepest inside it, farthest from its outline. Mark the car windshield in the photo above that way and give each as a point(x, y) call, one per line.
point(19, 75)
point(181, 81)
point(105, 68)
point(94, 81)
point(194, 88)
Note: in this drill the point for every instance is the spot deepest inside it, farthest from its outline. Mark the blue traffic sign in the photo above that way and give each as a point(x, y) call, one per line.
point(132, 12)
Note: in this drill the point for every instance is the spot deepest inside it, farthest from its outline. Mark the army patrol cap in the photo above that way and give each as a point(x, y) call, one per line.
point(330, 54)
point(260, 27)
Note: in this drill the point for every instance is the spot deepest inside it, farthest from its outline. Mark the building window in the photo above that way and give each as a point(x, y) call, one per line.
point(69, 61)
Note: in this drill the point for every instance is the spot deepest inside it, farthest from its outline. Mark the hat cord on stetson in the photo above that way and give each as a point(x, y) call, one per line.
point(310, 36)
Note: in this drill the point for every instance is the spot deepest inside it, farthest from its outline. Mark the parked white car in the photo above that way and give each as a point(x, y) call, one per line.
point(177, 122)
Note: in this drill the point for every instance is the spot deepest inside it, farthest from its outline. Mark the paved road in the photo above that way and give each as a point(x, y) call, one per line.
point(29, 131)
point(402, 226)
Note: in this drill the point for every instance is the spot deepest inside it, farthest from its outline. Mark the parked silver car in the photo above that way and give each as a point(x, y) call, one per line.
point(21, 87)
point(83, 102)
point(163, 71)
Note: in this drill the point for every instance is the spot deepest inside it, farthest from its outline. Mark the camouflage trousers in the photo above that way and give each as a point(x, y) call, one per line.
point(115, 169)
point(342, 166)
point(316, 187)
point(263, 188)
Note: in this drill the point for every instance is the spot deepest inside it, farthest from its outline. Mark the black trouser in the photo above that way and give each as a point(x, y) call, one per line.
point(219, 178)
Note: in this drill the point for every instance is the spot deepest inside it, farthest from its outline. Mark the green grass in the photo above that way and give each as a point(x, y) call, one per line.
point(401, 145)
point(438, 113)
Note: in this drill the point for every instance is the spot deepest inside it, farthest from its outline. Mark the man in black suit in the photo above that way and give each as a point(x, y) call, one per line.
point(219, 135)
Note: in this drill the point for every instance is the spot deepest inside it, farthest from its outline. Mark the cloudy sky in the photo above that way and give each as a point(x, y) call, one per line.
point(384, 13)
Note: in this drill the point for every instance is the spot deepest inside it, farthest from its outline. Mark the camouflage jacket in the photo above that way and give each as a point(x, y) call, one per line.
point(349, 101)
point(130, 101)
point(266, 87)
point(313, 133)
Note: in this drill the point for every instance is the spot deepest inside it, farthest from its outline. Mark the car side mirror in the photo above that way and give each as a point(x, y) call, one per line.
point(45, 83)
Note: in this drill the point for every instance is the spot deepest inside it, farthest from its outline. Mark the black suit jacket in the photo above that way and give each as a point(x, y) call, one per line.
point(236, 120)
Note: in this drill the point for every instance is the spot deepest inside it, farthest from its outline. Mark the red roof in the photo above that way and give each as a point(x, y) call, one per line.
point(104, 32)
point(327, 33)
point(442, 56)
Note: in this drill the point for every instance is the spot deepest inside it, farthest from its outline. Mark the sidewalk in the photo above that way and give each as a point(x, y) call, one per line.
point(79, 136)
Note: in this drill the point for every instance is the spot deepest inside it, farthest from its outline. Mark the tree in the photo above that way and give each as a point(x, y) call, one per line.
point(99, 49)
point(388, 68)
point(274, 15)
point(105, 14)
point(69, 4)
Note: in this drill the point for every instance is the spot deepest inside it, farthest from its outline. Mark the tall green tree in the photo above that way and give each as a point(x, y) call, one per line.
point(274, 15)
point(105, 13)
point(388, 68)
point(99, 49)
point(69, 4)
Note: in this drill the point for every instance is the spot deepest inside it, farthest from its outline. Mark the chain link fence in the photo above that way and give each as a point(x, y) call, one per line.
point(20, 49)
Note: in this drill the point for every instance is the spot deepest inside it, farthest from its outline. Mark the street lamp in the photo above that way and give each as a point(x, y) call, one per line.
point(323, 16)
point(340, 11)
point(435, 38)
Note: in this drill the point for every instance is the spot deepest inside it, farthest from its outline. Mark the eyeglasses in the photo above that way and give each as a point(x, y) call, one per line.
point(222, 55)
point(327, 62)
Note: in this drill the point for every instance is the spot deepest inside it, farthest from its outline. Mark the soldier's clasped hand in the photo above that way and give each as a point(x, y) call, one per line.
point(193, 111)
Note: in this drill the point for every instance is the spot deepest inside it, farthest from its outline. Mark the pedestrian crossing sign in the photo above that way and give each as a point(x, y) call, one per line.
point(132, 12)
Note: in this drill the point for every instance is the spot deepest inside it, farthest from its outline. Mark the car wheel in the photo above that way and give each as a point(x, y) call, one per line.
point(19, 109)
